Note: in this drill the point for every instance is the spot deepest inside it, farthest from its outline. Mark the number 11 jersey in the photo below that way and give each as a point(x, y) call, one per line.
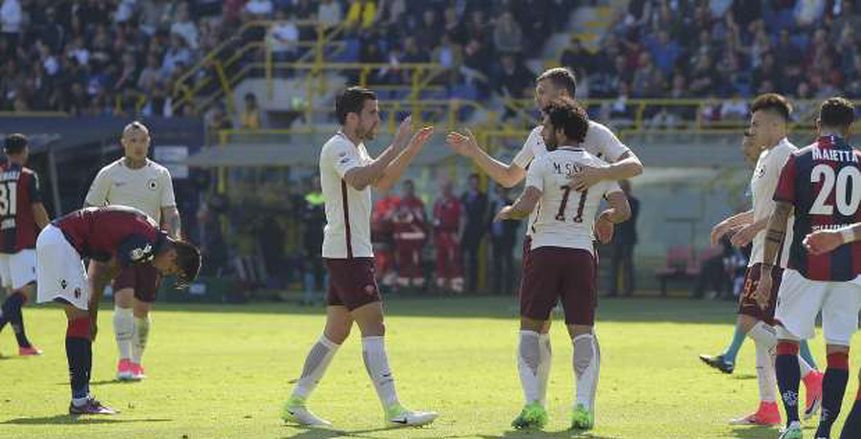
point(565, 217)
point(823, 182)
point(19, 189)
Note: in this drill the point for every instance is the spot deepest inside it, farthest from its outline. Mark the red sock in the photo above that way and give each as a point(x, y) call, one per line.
point(787, 348)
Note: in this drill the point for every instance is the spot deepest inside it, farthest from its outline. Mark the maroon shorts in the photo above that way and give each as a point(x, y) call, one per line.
point(142, 278)
point(351, 282)
point(551, 274)
point(747, 304)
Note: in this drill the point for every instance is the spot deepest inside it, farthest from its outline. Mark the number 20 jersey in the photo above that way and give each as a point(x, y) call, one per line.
point(823, 182)
point(19, 189)
point(565, 217)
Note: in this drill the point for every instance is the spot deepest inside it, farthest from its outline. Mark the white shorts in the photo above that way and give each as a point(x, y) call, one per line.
point(60, 272)
point(19, 269)
point(801, 299)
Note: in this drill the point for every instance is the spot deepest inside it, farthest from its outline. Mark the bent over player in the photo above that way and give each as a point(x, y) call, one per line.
point(820, 186)
point(22, 215)
point(561, 264)
point(120, 237)
point(347, 173)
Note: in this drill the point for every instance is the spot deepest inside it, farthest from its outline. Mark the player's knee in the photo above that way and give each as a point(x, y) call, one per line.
point(577, 330)
point(141, 309)
point(527, 324)
point(124, 298)
point(337, 332)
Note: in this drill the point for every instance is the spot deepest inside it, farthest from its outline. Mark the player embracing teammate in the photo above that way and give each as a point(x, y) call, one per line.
point(617, 162)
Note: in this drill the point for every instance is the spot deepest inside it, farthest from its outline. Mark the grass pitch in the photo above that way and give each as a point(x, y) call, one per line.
point(223, 372)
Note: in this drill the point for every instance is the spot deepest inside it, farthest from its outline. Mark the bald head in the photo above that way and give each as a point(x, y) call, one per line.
point(136, 141)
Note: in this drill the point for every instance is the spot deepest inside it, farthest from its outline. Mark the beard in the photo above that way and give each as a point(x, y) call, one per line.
point(370, 134)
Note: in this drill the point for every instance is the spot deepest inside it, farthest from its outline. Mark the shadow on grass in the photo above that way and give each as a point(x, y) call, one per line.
point(104, 383)
point(744, 376)
point(517, 434)
point(326, 433)
point(69, 420)
point(647, 309)
point(755, 432)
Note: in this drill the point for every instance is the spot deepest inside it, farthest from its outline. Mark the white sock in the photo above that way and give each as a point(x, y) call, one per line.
point(528, 360)
point(587, 363)
point(377, 365)
point(765, 339)
point(804, 366)
point(544, 363)
point(140, 338)
point(124, 328)
point(316, 363)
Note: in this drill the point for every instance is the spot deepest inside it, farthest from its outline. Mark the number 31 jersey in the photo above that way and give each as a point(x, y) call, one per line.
point(823, 182)
point(564, 217)
point(19, 189)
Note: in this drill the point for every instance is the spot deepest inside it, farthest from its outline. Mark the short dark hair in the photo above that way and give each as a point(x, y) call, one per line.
point(562, 78)
point(188, 260)
point(352, 100)
point(566, 115)
point(772, 102)
point(836, 112)
point(15, 143)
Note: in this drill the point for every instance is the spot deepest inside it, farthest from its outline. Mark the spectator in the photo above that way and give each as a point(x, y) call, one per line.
point(704, 79)
point(410, 227)
point(150, 75)
point(128, 75)
point(313, 222)
point(808, 12)
point(474, 203)
point(576, 56)
point(429, 32)
point(250, 117)
point(447, 222)
point(624, 239)
point(284, 38)
point(154, 14)
point(453, 27)
point(258, 9)
point(382, 239)
point(177, 54)
point(507, 36)
point(503, 236)
point(648, 80)
point(11, 17)
point(361, 14)
point(185, 27)
point(664, 51)
point(329, 14)
point(513, 78)
point(158, 104)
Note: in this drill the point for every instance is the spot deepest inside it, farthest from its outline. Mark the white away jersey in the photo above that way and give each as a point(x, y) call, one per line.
point(348, 212)
point(564, 217)
point(148, 189)
point(762, 185)
point(600, 142)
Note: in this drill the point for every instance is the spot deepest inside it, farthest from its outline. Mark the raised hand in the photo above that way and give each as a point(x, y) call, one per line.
point(503, 214)
point(463, 144)
point(405, 130)
point(421, 137)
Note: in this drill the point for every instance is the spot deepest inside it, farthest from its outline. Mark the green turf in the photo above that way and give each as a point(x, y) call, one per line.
point(223, 372)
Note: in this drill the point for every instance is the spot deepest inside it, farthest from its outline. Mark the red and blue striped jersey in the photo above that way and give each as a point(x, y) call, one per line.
point(823, 182)
point(19, 190)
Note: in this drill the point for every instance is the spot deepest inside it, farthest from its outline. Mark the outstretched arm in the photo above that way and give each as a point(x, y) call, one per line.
point(628, 166)
point(467, 146)
point(396, 168)
point(360, 177)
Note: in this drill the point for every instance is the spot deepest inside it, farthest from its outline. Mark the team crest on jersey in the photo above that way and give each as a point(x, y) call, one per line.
point(77, 293)
point(140, 254)
point(760, 172)
point(152, 184)
point(370, 290)
point(63, 284)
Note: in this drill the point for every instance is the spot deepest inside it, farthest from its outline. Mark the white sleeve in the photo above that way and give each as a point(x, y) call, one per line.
point(98, 193)
point(535, 176)
point(527, 152)
point(608, 145)
point(343, 157)
point(168, 199)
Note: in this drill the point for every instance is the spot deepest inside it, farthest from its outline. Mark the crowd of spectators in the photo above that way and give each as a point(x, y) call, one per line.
point(102, 57)
point(726, 50)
